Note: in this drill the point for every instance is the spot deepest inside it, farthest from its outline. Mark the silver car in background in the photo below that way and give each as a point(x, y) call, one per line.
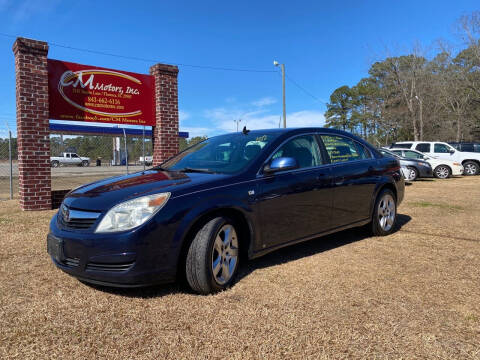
point(413, 168)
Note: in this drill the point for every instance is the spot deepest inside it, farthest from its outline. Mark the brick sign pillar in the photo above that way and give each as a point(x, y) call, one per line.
point(33, 134)
point(165, 132)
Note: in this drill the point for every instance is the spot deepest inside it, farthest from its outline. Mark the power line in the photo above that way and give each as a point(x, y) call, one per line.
point(304, 90)
point(204, 67)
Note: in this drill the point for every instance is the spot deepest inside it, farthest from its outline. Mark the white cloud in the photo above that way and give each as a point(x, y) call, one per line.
point(255, 115)
point(231, 100)
point(306, 118)
point(24, 9)
point(265, 101)
point(197, 131)
point(183, 115)
point(222, 119)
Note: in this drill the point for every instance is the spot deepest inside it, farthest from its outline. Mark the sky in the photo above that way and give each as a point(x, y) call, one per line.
point(323, 44)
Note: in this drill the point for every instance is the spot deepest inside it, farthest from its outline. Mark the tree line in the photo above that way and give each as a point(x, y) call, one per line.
point(412, 97)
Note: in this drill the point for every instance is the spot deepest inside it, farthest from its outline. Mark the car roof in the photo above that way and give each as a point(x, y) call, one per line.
point(292, 131)
point(298, 129)
point(403, 149)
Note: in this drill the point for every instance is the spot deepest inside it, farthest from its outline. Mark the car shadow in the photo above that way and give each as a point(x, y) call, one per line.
point(277, 257)
point(313, 247)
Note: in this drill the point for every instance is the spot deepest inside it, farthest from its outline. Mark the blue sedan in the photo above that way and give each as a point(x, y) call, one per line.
point(229, 198)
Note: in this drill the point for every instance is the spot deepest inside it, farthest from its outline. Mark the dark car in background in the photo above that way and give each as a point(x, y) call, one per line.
point(466, 146)
point(230, 197)
point(417, 168)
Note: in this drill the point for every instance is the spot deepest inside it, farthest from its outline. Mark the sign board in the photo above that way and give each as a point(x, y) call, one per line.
point(89, 93)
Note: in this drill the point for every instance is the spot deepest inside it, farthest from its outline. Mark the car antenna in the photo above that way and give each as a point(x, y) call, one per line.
point(245, 131)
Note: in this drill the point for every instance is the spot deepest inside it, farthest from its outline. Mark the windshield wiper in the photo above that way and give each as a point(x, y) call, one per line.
point(159, 168)
point(206, 171)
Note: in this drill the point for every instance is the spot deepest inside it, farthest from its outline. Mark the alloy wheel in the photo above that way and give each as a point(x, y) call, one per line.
point(412, 173)
point(442, 172)
point(225, 254)
point(386, 212)
point(470, 169)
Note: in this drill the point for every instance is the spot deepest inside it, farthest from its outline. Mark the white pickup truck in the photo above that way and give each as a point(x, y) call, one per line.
point(68, 158)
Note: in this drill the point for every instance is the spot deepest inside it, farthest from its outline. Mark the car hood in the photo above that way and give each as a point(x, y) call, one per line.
point(104, 194)
point(407, 161)
point(435, 162)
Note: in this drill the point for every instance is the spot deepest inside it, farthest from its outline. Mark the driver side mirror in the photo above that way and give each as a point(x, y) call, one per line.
point(280, 164)
point(451, 151)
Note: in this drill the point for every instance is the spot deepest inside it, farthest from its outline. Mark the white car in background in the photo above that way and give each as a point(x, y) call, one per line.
point(406, 173)
point(442, 168)
point(441, 150)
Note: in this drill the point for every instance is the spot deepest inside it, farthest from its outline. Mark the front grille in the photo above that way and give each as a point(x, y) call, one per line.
point(109, 267)
point(73, 262)
point(76, 219)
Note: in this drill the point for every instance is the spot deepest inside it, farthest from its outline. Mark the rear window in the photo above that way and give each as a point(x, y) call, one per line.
point(467, 147)
point(403, 145)
point(423, 147)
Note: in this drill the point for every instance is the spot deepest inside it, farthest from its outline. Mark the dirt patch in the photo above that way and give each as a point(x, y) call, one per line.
point(413, 294)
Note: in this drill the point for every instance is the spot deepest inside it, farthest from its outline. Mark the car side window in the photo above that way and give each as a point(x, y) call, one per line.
point(467, 147)
point(441, 148)
point(363, 151)
point(398, 152)
point(423, 147)
point(304, 149)
point(342, 149)
point(413, 155)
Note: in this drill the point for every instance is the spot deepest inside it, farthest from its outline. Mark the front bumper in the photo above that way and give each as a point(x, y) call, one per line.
point(457, 170)
point(129, 259)
point(425, 171)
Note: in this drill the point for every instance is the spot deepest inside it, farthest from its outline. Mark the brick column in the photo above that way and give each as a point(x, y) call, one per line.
point(33, 134)
point(165, 133)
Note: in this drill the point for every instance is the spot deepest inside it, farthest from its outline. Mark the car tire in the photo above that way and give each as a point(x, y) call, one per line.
point(85, 163)
point(442, 172)
point(470, 168)
point(413, 173)
point(55, 163)
point(213, 257)
point(384, 214)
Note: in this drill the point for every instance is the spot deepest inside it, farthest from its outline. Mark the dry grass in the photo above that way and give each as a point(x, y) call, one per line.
point(414, 294)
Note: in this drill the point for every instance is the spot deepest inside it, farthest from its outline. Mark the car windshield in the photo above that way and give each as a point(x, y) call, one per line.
point(389, 154)
point(228, 154)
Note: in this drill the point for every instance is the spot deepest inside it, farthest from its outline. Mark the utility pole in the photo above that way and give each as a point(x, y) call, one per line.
point(126, 150)
point(237, 122)
point(421, 117)
point(282, 66)
point(143, 148)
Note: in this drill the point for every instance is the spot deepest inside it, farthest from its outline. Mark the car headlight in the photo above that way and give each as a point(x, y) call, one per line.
point(132, 213)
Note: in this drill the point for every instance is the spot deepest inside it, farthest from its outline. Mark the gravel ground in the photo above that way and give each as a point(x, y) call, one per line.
point(413, 294)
